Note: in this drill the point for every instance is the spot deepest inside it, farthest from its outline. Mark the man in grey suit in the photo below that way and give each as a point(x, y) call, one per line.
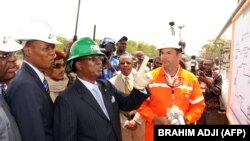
point(8, 127)
point(28, 94)
point(89, 109)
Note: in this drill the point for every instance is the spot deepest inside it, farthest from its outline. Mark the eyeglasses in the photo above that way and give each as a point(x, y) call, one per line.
point(123, 63)
point(94, 58)
point(7, 55)
point(206, 64)
point(58, 65)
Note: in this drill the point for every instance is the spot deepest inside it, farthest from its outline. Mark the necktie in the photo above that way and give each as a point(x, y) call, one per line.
point(3, 93)
point(127, 86)
point(98, 96)
point(46, 86)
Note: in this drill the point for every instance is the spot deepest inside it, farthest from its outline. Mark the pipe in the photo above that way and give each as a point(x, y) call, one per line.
point(229, 21)
point(94, 32)
point(78, 9)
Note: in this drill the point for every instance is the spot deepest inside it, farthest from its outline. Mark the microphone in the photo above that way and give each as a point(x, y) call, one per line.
point(172, 28)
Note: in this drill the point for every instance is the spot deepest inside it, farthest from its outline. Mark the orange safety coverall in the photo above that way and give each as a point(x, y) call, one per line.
point(187, 96)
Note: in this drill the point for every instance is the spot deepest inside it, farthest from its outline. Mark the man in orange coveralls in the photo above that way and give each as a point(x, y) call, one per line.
point(173, 90)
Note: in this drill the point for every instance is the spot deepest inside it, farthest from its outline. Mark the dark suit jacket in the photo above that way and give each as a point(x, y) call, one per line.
point(78, 117)
point(8, 127)
point(31, 105)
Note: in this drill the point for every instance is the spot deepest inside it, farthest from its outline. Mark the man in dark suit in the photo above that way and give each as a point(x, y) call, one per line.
point(28, 94)
point(89, 109)
point(8, 127)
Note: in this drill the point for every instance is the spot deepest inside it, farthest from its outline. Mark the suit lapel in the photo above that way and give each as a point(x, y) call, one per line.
point(119, 83)
point(32, 72)
point(87, 96)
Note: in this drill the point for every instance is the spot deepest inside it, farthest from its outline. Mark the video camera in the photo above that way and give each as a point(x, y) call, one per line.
point(201, 74)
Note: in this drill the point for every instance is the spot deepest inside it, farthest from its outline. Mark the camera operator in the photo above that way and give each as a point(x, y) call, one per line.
point(211, 83)
point(107, 46)
point(192, 65)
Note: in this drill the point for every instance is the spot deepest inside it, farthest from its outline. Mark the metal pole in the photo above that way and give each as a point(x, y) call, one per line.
point(75, 36)
point(94, 32)
point(180, 27)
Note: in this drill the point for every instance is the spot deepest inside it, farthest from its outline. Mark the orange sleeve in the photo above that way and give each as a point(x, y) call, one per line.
point(197, 104)
point(145, 111)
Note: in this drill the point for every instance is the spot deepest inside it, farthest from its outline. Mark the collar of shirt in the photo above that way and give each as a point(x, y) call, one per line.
point(130, 77)
point(170, 78)
point(39, 73)
point(87, 84)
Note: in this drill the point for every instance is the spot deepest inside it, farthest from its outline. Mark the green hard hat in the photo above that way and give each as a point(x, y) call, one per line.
point(82, 47)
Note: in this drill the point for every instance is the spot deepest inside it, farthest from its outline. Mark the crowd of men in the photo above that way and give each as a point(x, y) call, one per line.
point(99, 92)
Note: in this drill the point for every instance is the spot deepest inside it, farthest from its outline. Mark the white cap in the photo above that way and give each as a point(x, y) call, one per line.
point(172, 42)
point(8, 44)
point(38, 30)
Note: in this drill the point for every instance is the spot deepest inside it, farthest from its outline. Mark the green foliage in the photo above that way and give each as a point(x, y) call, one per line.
point(211, 50)
point(64, 42)
point(149, 50)
point(97, 41)
point(132, 46)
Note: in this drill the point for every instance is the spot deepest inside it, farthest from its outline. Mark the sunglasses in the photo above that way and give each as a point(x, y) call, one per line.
point(58, 65)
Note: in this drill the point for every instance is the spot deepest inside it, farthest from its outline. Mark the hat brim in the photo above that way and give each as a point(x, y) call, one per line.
point(165, 47)
point(44, 40)
point(10, 47)
point(124, 38)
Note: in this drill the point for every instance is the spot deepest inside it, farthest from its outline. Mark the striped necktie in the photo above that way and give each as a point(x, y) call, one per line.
point(127, 86)
point(46, 86)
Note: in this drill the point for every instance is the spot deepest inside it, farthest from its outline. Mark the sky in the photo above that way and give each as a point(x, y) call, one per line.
point(139, 20)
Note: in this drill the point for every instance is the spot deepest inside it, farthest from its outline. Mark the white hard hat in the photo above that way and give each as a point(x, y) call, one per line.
point(38, 30)
point(172, 42)
point(8, 44)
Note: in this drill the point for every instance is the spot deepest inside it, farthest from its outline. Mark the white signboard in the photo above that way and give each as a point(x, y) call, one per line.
point(239, 104)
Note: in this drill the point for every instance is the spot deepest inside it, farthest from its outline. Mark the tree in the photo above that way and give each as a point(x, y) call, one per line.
point(211, 50)
point(149, 50)
point(64, 42)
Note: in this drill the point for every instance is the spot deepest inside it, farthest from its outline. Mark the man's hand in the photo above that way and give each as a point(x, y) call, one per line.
point(207, 80)
point(130, 124)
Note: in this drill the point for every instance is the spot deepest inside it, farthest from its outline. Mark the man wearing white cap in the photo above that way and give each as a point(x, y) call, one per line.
point(28, 92)
point(176, 97)
point(8, 127)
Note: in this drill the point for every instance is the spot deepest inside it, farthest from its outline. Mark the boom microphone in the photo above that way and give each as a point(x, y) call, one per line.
point(172, 28)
